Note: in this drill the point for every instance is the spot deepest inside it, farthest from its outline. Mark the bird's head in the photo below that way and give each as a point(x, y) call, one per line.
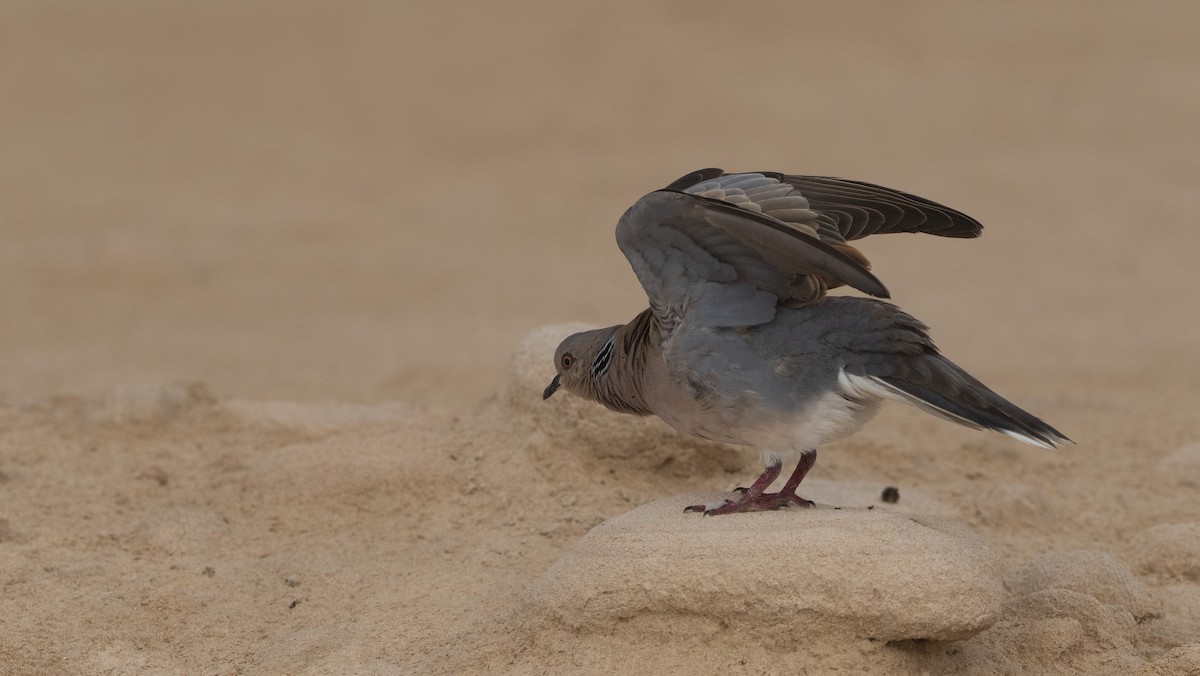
point(580, 359)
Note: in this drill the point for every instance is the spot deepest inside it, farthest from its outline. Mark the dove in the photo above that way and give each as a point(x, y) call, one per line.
point(742, 344)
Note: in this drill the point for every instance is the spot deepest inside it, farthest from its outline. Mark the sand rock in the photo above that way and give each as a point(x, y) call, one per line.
point(1180, 620)
point(1182, 661)
point(1169, 552)
point(1064, 631)
point(1094, 573)
point(838, 573)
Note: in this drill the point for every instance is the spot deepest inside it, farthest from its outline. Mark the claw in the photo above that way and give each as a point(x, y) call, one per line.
point(707, 509)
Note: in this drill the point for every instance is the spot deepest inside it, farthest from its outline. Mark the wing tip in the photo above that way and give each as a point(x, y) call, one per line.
point(1047, 438)
point(962, 226)
point(694, 177)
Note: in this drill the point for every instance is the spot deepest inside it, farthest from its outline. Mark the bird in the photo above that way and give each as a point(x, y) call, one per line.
point(742, 344)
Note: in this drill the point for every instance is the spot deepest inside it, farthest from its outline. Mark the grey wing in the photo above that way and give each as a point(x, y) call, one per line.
point(720, 265)
point(854, 209)
point(834, 209)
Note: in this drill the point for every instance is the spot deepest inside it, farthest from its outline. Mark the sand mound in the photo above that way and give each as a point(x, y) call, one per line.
point(535, 536)
point(1092, 573)
point(823, 572)
point(1170, 552)
point(1182, 661)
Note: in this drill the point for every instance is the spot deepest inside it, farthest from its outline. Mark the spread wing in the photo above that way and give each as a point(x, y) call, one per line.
point(835, 210)
point(718, 264)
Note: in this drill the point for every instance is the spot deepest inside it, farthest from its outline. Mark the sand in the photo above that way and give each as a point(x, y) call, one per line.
point(280, 280)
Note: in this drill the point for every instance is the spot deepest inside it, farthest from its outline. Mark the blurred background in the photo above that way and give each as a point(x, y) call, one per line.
point(366, 201)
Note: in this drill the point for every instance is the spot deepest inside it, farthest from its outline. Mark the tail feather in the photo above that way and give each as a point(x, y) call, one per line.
point(940, 387)
point(995, 413)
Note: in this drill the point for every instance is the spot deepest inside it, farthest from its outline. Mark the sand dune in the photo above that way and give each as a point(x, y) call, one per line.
point(281, 283)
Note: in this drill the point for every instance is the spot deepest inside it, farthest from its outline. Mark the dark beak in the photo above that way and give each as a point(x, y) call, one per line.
point(552, 387)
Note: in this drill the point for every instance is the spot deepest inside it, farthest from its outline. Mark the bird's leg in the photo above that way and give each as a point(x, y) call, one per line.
point(747, 498)
point(755, 500)
point(787, 495)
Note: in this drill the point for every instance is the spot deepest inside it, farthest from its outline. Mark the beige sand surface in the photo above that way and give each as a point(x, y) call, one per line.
point(264, 267)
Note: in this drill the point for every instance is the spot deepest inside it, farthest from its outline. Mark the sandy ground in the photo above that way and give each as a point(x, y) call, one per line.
point(265, 266)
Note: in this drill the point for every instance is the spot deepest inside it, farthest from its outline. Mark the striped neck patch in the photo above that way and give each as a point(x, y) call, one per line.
point(603, 358)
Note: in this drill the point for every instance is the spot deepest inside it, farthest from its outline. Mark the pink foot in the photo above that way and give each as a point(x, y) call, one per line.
point(753, 499)
point(766, 502)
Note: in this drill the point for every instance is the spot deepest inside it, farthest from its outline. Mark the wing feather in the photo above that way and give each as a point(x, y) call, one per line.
point(837, 210)
point(786, 236)
point(720, 265)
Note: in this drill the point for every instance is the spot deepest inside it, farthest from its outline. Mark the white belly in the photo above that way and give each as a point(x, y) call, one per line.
point(749, 421)
point(829, 418)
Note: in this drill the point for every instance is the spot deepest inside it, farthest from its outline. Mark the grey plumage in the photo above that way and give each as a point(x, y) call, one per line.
point(740, 344)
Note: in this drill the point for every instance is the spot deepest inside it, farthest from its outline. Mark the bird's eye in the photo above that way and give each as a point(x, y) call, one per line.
point(567, 360)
